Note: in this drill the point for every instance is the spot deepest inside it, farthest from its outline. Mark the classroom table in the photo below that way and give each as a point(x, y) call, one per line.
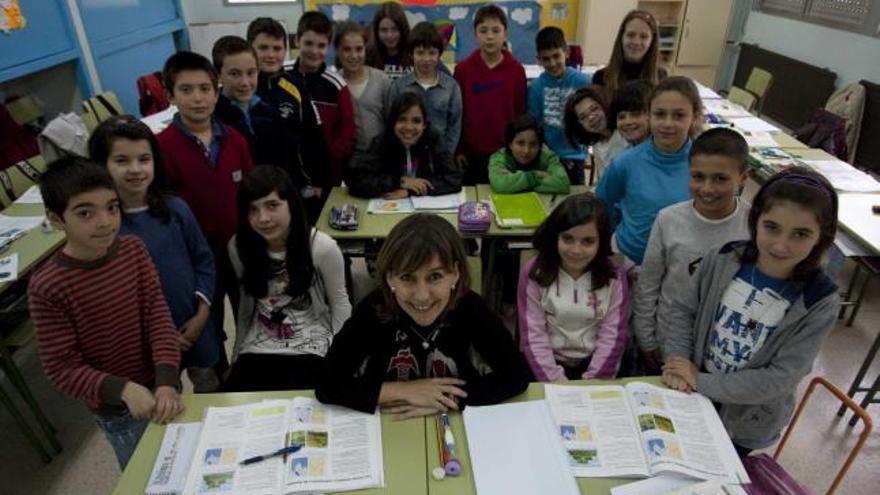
point(464, 484)
point(550, 201)
point(33, 247)
point(403, 445)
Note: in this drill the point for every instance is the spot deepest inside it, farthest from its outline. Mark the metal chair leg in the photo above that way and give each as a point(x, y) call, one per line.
point(19, 383)
point(869, 399)
point(859, 298)
point(24, 426)
point(856, 384)
point(849, 290)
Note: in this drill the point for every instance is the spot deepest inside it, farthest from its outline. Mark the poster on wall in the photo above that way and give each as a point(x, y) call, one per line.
point(11, 18)
point(455, 18)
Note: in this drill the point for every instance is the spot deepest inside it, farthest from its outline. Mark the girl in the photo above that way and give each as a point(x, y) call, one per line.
point(420, 343)
point(573, 299)
point(368, 85)
point(586, 124)
point(525, 164)
point(648, 177)
point(635, 54)
point(292, 285)
point(409, 160)
point(749, 325)
point(388, 50)
point(130, 151)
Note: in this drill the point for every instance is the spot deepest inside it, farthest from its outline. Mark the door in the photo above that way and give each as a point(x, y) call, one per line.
point(704, 32)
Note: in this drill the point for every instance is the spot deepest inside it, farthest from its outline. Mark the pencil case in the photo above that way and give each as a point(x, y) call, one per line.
point(474, 217)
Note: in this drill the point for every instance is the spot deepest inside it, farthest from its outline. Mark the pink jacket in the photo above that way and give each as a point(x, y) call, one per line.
point(535, 340)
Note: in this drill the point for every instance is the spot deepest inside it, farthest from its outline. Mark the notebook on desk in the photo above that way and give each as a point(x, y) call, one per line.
point(523, 210)
point(175, 455)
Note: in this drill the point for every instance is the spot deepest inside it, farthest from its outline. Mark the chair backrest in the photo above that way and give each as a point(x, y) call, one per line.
point(100, 108)
point(17, 179)
point(849, 403)
point(742, 98)
point(759, 82)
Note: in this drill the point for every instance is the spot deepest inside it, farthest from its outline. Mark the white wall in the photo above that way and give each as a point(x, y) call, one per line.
point(852, 56)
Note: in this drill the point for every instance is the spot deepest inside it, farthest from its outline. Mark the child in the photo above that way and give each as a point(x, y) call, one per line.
point(685, 231)
point(293, 298)
point(525, 164)
point(408, 160)
point(645, 179)
point(130, 151)
point(635, 55)
point(368, 85)
point(327, 91)
point(586, 124)
point(630, 119)
point(419, 344)
point(573, 299)
point(548, 94)
point(104, 331)
point(204, 162)
point(439, 90)
point(748, 326)
point(272, 138)
point(388, 50)
point(493, 92)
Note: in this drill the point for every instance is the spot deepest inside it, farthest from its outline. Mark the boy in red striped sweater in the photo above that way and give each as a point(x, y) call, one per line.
point(104, 330)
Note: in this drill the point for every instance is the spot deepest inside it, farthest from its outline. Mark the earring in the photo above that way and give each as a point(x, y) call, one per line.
point(453, 287)
point(393, 289)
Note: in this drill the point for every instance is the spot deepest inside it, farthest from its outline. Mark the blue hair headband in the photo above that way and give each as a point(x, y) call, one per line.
point(806, 180)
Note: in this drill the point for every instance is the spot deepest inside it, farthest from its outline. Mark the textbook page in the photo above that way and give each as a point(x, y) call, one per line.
point(175, 455)
point(231, 435)
point(447, 203)
point(598, 430)
point(682, 433)
point(342, 448)
point(514, 450)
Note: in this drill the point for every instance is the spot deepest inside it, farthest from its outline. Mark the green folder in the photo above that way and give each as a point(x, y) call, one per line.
point(518, 210)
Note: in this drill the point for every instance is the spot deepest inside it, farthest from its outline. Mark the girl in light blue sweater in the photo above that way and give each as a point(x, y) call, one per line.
point(645, 179)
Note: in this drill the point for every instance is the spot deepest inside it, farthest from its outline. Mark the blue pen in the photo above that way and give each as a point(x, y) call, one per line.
point(279, 452)
point(452, 467)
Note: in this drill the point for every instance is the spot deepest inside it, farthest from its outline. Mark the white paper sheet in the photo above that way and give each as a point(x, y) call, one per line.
point(175, 456)
point(656, 485)
point(159, 121)
point(725, 108)
point(514, 449)
point(760, 140)
point(442, 203)
point(844, 177)
point(31, 196)
point(24, 223)
point(382, 206)
point(9, 268)
point(707, 92)
point(754, 124)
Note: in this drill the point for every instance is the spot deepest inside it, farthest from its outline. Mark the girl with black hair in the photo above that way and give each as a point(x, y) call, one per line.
point(572, 299)
point(292, 286)
point(130, 151)
point(410, 159)
point(525, 164)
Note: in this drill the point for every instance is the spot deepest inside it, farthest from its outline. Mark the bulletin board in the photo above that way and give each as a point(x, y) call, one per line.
point(523, 20)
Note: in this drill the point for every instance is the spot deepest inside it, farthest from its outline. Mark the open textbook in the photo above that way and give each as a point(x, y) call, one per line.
point(342, 449)
point(642, 430)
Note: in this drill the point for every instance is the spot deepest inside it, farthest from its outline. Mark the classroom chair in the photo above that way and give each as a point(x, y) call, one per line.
point(769, 477)
point(99, 108)
point(742, 98)
point(759, 83)
point(17, 179)
point(867, 267)
point(21, 336)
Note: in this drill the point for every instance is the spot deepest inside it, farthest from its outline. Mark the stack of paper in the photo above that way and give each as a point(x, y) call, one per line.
point(725, 108)
point(175, 456)
point(844, 177)
point(514, 450)
point(753, 124)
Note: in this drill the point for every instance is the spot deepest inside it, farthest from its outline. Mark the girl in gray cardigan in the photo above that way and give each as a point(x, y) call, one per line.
point(749, 325)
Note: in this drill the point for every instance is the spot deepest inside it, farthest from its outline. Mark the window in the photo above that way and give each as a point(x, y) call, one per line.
point(858, 16)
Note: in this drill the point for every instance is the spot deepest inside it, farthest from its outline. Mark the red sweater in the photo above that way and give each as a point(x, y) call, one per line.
point(331, 96)
point(211, 192)
point(491, 98)
point(103, 323)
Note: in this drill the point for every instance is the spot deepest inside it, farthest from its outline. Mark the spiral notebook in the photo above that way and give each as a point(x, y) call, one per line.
point(175, 455)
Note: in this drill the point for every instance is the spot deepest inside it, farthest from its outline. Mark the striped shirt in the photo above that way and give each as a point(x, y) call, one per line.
point(103, 323)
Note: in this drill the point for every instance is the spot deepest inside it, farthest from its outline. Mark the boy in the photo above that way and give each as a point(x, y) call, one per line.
point(104, 330)
point(204, 163)
point(440, 92)
point(493, 91)
point(548, 94)
point(685, 231)
point(272, 139)
point(327, 90)
point(629, 112)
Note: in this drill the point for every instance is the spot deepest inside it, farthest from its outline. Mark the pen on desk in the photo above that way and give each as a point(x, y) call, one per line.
point(552, 199)
point(452, 466)
point(279, 452)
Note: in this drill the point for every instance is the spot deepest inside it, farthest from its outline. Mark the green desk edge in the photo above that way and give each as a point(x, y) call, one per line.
point(33, 247)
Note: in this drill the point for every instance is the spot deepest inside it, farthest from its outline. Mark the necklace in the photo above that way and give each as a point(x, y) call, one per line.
point(429, 341)
point(754, 319)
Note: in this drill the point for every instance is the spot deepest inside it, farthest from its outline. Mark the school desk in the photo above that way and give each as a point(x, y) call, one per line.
point(550, 201)
point(403, 445)
point(464, 484)
point(35, 246)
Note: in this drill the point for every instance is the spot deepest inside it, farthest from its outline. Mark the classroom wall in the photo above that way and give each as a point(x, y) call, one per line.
point(215, 11)
point(852, 56)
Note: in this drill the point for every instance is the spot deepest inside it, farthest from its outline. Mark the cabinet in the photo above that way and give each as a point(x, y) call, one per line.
point(702, 39)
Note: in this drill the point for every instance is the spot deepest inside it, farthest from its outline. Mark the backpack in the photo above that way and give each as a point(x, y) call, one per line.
point(151, 94)
point(825, 130)
point(849, 104)
point(16, 142)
